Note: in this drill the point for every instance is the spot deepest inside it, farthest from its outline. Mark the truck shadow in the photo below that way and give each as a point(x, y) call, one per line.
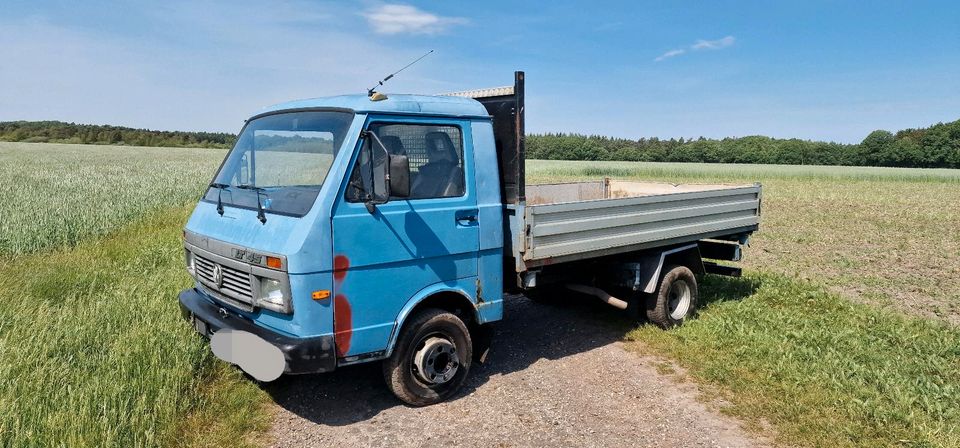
point(529, 332)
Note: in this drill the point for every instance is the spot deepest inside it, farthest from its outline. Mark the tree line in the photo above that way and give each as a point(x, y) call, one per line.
point(937, 146)
point(60, 132)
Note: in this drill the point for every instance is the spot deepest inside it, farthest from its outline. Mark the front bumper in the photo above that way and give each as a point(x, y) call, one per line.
point(302, 355)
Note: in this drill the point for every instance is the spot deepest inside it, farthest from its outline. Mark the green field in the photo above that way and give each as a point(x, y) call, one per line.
point(92, 348)
point(58, 195)
point(843, 332)
point(563, 170)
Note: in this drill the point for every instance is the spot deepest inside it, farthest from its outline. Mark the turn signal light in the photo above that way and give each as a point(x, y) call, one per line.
point(273, 262)
point(321, 294)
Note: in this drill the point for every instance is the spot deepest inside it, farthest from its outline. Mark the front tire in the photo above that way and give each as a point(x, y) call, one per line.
point(431, 360)
point(675, 299)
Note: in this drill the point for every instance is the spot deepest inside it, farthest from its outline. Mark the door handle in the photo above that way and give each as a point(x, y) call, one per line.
point(464, 220)
point(466, 217)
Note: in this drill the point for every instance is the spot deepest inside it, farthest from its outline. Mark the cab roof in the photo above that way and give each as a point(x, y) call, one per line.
point(394, 104)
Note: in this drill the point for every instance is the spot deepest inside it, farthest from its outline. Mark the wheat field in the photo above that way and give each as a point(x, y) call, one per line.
point(56, 195)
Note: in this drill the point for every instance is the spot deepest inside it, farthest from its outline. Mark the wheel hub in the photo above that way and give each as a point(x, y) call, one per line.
point(678, 301)
point(436, 361)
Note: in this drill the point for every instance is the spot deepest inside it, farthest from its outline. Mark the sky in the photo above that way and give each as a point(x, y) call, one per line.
point(818, 70)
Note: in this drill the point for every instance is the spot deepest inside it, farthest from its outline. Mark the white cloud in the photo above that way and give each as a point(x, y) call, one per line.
point(398, 19)
point(700, 44)
point(713, 44)
point(670, 54)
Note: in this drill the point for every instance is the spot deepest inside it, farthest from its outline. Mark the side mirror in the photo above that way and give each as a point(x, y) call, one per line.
point(399, 176)
point(389, 175)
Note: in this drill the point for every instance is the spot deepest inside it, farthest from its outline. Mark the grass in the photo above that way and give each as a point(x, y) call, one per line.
point(823, 371)
point(93, 351)
point(57, 195)
point(565, 170)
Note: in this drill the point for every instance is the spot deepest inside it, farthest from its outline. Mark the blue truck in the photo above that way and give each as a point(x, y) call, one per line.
point(391, 228)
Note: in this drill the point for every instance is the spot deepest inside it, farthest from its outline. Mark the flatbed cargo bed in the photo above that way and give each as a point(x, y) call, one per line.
point(549, 224)
point(581, 220)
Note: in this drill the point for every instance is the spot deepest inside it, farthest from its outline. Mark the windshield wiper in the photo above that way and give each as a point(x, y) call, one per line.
point(219, 188)
point(260, 215)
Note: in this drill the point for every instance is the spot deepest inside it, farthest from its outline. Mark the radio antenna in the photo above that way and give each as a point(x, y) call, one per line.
point(373, 89)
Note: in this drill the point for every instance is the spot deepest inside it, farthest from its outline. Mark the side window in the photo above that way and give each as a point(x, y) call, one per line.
point(435, 153)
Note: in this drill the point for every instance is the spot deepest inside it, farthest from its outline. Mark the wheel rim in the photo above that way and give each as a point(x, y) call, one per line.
point(436, 360)
point(678, 302)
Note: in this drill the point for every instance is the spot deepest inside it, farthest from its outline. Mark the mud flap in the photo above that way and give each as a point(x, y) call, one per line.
point(482, 336)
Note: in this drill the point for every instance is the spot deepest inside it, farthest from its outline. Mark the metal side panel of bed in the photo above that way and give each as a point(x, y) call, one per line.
point(557, 232)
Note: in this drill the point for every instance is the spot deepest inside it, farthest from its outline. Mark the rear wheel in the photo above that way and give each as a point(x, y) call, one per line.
point(675, 299)
point(431, 359)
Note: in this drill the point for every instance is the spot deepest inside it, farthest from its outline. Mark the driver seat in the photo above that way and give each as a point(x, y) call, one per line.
point(441, 176)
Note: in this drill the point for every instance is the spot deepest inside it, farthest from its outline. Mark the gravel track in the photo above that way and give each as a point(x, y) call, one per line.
point(557, 376)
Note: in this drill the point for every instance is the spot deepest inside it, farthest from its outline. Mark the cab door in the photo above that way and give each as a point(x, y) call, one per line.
point(384, 257)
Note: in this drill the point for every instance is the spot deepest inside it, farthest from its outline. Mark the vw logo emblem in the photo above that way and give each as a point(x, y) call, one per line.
point(218, 275)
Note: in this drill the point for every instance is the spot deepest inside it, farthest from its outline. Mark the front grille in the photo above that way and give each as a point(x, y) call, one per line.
point(236, 284)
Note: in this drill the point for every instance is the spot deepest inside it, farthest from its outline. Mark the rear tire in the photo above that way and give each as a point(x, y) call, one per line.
point(431, 360)
point(675, 299)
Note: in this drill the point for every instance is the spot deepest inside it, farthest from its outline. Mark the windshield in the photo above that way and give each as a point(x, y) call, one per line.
point(286, 156)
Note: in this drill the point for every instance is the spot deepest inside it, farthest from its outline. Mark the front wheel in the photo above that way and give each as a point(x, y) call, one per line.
point(675, 299)
point(431, 359)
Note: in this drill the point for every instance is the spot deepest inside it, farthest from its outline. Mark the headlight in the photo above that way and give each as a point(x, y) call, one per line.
point(271, 295)
point(190, 263)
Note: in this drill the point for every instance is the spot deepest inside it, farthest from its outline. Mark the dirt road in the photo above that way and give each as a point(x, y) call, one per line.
point(557, 376)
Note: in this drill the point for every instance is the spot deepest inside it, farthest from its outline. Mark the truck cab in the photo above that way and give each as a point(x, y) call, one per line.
point(364, 228)
point(301, 240)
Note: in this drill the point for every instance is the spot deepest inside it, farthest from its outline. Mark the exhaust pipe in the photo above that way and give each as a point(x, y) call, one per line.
point(600, 294)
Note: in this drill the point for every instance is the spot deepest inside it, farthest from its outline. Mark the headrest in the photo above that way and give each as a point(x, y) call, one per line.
point(439, 146)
